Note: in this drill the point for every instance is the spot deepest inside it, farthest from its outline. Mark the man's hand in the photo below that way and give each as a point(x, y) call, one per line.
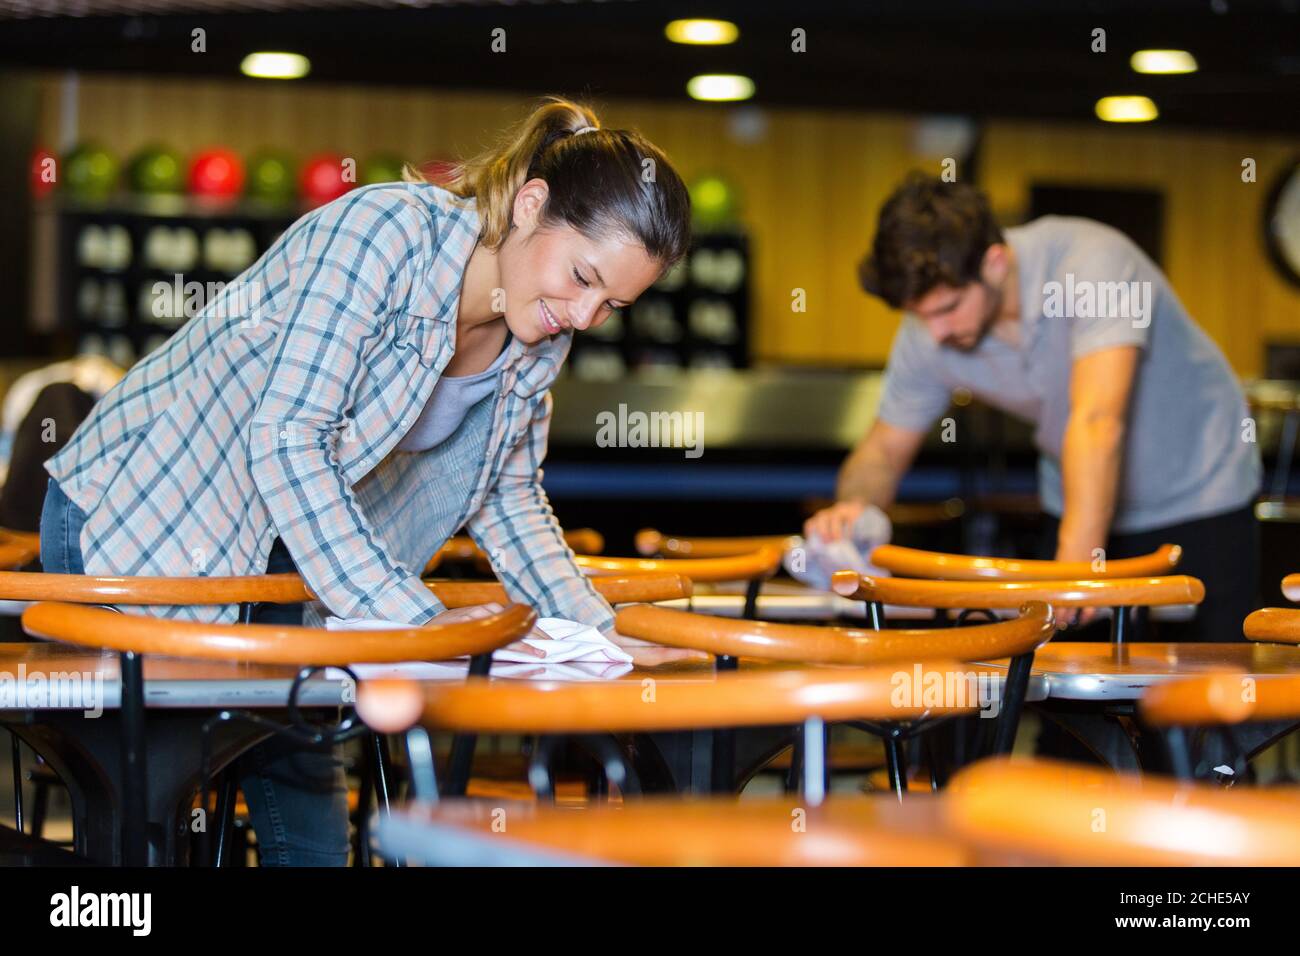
point(476, 611)
point(835, 522)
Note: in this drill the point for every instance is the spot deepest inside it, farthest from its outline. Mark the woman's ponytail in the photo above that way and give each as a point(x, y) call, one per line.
point(493, 177)
point(601, 181)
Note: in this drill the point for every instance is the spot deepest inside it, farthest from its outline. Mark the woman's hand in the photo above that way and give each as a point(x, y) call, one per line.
point(646, 654)
point(476, 611)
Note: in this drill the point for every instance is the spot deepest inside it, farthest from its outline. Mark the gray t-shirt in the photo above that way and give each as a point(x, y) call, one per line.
point(1085, 287)
point(452, 398)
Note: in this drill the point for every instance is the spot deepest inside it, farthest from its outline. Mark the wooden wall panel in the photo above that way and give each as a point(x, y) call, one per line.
point(810, 188)
point(1214, 245)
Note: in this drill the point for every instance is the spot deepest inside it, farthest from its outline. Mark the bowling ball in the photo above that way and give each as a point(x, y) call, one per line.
point(322, 179)
point(44, 173)
point(381, 169)
point(218, 173)
point(270, 178)
point(714, 201)
point(156, 170)
point(90, 172)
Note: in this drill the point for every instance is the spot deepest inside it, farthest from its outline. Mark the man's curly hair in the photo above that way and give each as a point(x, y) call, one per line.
point(930, 233)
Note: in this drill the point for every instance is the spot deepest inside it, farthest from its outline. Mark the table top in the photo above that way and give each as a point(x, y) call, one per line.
point(52, 676)
point(1097, 671)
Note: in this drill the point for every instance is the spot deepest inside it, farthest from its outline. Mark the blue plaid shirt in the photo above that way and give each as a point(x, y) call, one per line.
point(261, 414)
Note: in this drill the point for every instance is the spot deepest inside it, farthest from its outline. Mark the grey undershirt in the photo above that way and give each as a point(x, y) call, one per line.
point(452, 398)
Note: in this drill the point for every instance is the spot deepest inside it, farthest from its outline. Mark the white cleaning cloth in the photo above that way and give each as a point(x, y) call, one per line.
point(459, 670)
point(570, 642)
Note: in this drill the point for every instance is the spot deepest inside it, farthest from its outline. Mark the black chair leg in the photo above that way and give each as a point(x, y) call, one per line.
point(135, 830)
point(462, 745)
point(226, 798)
point(361, 819)
point(1014, 692)
point(752, 590)
point(795, 773)
point(896, 762)
point(18, 782)
point(383, 772)
point(722, 773)
point(723, 769)
point(40, 807)
point(1178, 754)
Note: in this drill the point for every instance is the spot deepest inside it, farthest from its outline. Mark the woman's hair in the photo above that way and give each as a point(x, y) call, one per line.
point(602, 181)
point(930, 233)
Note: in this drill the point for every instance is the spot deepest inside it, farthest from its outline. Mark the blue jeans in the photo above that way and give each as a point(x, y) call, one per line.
point(297, 796)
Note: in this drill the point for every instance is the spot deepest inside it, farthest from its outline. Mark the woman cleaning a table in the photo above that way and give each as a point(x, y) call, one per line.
point(375, 381)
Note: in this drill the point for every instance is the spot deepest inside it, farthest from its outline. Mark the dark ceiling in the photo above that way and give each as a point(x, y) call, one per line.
point(991, 58)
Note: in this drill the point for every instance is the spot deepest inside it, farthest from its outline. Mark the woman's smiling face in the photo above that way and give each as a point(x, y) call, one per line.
point(555, 278)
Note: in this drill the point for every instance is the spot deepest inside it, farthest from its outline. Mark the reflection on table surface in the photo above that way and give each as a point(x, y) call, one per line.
point(1110, 672)
point(1068, 657)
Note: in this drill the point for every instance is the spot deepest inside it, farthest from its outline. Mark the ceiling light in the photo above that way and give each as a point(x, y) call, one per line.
point(1126, 109)
point(1163, 61)
point(702, 32)
point(720, 87)
point(275, 66)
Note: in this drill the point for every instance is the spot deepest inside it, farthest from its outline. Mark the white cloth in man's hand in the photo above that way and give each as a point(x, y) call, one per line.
point(812, 561)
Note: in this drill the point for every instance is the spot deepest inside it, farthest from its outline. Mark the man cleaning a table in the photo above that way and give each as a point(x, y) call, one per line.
point(1142, 427)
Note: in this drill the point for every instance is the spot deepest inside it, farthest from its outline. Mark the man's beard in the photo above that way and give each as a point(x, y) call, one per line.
point(993, 301)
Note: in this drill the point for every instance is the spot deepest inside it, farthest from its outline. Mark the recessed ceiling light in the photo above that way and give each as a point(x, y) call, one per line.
point(720, 87)
point(1163, 61)
point(702, 32)
point(275, 66)
point(1126, 109)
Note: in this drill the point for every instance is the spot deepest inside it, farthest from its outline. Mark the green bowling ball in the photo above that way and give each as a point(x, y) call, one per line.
point(156, 170)
point(271, 178)
point(90, 172)
point(714, 201)
point(381, 169)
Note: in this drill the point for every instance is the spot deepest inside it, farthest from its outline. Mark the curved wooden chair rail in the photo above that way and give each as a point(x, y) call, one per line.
point(1276, 625)
point(1291, 587)
point(272, 643)
point(1225, 698)
point(614, 588)
point(290, 589)
point(98, 589)
point(463, 548)
point(18, 547)
point(1106, 592)
point(938, 566)
point(836, 645)
point(743, 699)
point(760, 563)
point(1047, 810)
point(651, 543)
point(710, 831)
